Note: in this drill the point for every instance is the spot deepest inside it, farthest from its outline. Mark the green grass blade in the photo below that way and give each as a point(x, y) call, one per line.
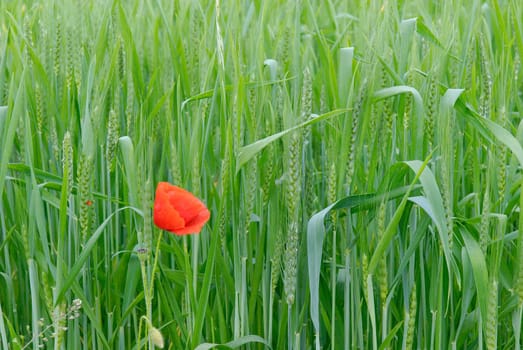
point(127, 148)
point(423, 30)
point(346, 55)
point(8, 135)
point(3, 118)
point(450, 98)
point(392, 226)
point(434, 207)
point(390, 337)
point(398, 90)
point(3, 333)
point(316, 236)
point(479, 270)
point(35, 293)
point(246, 153)
point(488, 127)
point(241, 341)
point(73, 273)
point(205, 288)
point(15, 337)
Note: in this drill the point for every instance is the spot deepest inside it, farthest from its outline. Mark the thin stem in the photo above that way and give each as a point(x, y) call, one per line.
point(155, 264)
point(148, 312)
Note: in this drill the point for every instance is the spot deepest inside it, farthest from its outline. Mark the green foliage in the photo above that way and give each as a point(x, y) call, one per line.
point(361, 161)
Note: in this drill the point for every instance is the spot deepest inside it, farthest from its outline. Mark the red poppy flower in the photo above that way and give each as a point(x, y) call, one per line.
point(178, 211)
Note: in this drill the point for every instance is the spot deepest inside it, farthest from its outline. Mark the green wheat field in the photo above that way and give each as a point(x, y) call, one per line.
point(361, 160)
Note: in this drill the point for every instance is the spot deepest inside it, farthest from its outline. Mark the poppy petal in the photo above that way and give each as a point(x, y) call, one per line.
point(187, 205)
point(197, 223)
point(165, 215)
point(178, 211)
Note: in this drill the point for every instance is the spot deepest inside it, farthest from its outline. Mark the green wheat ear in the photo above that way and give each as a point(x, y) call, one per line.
point(502, 162)
point(57, 52)
point(129, 107)
point(382, 274)
point(387, 106)
point(293, 183)
point(484, 232)
point(67, 162)
point(121, 58)
point(113, 134)
point(486, 79)
point(356, 114)
point(69, 59)
point(431, 112)
point(276, 261)
point(492, 317)
point(306, 97)
point(290, 261)
point(85, 176)
point(411, 324)
point(268, 174)
point(365, 275)
point(225, 171)
point(40, 109)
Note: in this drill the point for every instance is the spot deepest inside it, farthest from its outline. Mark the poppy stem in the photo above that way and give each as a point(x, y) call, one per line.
point(189, 288)
point(146, 291)
point(194, 259)
point(148, 285)
point(155, 265)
